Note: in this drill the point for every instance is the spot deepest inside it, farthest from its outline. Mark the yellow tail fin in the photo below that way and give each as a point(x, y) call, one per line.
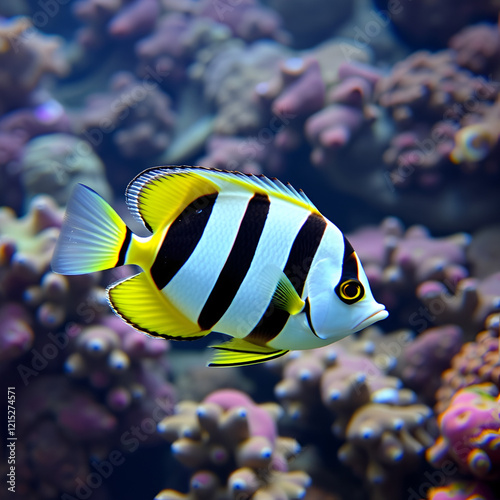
point(92, 235)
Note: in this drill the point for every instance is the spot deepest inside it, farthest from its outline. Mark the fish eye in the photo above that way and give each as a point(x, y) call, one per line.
point(350, 291)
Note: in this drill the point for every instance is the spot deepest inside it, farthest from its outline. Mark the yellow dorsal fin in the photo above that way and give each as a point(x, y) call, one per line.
point(158, 195)
point(144, 307)
point(239, 352)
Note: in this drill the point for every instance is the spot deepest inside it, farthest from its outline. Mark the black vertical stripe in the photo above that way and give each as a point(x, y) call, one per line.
point(237, 263)
point(349, 262)
point(181, 239)
point(296, 269)
point(123, 249)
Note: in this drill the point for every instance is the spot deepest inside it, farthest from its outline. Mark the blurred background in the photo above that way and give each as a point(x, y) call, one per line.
point(387, 115)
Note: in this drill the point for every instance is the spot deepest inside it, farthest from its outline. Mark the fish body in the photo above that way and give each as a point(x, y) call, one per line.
point(228, 252)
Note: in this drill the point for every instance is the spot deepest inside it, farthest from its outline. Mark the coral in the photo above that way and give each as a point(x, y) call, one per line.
point(299, 90)
point(89, 388)
point(26, 55)
point(468, 303)
point(348, 110)
point(229, 84)
point(384, 443)
point(135, 115)
point(247, 19)
point(425, 84)
point(476, 363)
point(269, 93)
point(385, 431)
point(175, 43)
point(115, 19)
point(470, 432)
point(430, 125)
point(397, 261)
point(429, 98)
point(59, 424)
point(26, 245)
point(423, 360)
point(462, 490)
point(54, 163)
point(341, 378)
point(16, 129)
point(229, 432)
point(477, 48)
point(108, 355)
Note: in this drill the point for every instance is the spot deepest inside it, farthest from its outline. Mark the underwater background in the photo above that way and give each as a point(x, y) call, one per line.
point(387, 115)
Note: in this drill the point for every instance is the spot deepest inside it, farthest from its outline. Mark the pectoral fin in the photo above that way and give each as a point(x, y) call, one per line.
point(284, 295)
point(238, 352)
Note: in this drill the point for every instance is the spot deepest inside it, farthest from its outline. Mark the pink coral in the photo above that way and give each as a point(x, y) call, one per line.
point(470, 432)
point(462, 490)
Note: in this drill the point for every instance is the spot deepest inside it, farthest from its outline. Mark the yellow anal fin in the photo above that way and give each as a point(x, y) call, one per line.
point(145, 308)
point(238, 352)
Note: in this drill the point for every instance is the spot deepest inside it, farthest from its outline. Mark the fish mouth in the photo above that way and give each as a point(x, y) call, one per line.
point(373, 318)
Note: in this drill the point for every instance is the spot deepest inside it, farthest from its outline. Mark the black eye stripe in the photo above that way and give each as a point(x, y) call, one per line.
point(349, 277)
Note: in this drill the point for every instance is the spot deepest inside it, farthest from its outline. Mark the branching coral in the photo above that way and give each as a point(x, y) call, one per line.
point(384, 442)
point(397, 261)
point(230, 435)
point(385, 431)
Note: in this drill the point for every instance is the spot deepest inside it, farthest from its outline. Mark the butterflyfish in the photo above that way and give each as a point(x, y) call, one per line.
point(239, 254)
